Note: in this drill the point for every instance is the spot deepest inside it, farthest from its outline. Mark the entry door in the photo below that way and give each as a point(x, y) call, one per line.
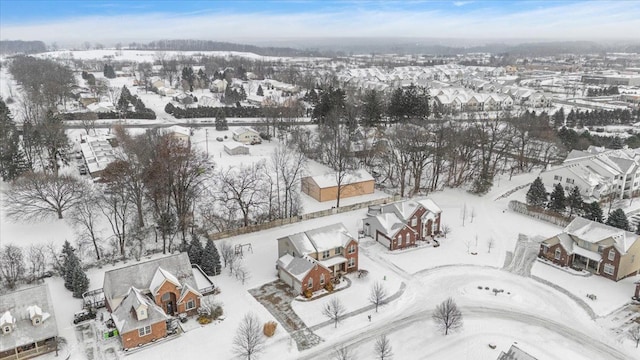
point(170, 308)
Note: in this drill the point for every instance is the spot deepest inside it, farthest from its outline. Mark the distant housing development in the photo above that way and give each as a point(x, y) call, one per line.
point(598, 248)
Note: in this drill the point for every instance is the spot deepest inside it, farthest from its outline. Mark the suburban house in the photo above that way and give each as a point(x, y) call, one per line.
point(236, 149)
point(515, 353)
point(180, 133)
point(325, 187)
point(97, 153)
point(399, 225)
point(310, 259)
point(246, 136)
point(100, 107)
point(598, 173)
point(595, 247)
point(142, 297)
point(27, 323)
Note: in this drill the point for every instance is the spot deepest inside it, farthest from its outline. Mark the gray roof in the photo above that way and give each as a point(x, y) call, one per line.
point(24, 331)
point(124, 318)
point(515, 353)
point(139, 275)
point(320, 239)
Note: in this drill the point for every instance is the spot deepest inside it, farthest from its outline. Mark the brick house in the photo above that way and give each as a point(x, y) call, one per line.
point(399, 225)
point(598, 248)
point(310, 259)
point(144, 296)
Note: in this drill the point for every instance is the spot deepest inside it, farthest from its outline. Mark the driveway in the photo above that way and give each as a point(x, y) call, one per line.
point(276, 297)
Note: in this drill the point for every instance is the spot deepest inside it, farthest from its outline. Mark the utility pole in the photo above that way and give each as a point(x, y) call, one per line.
point(206, 136)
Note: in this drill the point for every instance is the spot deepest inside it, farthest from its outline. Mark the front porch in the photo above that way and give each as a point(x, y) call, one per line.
point(586, 260)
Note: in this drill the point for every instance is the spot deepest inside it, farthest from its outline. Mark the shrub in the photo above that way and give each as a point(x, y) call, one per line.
point(329, 286)
point(204, 320)
point(308, 293)
point(269, 328)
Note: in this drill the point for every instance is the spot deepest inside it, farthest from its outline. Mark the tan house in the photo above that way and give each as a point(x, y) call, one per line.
point(27, 323)
point(310, 259)
point(598, 248)
point(180, 133)
point(246, 136)
point(325, 187)
point(143, 297)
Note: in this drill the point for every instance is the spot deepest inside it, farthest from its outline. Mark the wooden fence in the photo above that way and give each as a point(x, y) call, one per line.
point(542, 214)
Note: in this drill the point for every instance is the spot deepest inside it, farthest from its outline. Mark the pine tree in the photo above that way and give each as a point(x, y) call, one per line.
point(574, 200)
point(69, 262)
point(593, 212)
point(537, 194)
point(618, 219)
point(195, 250)
point(80, 281)
point(260, 92)
point(211, 259)
point(558, 201)
point(221, 121)
point(371, 109)
point(12, 159)
point(616, 143)
point(558, 118)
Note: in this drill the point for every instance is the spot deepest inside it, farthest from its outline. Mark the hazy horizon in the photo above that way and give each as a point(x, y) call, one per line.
point(288, 22)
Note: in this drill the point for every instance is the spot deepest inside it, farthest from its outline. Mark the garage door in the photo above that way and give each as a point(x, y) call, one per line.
point(383, 240)
point(287, 278)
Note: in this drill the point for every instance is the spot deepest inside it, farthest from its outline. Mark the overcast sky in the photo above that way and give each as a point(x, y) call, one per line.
point(108, 22)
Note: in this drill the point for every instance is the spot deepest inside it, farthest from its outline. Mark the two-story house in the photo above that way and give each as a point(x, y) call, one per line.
point(310, 259)
point(601, 249)
point(142, 297)
point(399, 225)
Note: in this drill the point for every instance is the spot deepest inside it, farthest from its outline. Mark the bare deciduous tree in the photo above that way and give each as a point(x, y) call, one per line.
point(447, 316)
point(378, 294)
point(634, 334)
point(39, 195)
point(243, 186)
point(84, 217)
point(490, 245)
point(383, 348)
point(463, 213)
point(242, 273)
point(227, 253)
point(334, 310)
point(249, 340)
point(11, 265)
point(446, 229)
point(36, 262)
point(342, 353)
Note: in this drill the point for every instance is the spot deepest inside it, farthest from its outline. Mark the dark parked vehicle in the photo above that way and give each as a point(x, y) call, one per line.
point(83, 315)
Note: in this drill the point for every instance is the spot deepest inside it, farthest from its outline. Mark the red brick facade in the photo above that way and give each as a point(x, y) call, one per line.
point(353, 255)
point(563, 260)
point(615, 262)
point(172, 305)
point(132, 339)
point(316, 275)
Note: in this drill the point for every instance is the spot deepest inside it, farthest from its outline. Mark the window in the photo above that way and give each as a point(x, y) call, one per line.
point(600, 249)
point(407, 238)
point(612, 255)
point(191, 304)
point(558, 254)
point(570, 181)
point(557, 177)
point(338, 250)
point(326, 254)
point(322, 280)
point(144, 331)
point(166, 297)
point(352, 249)
point(37, 320)
point(7, 329)
point(414, 221)
point(310, 283)
point(609, 269)
point(352, 262)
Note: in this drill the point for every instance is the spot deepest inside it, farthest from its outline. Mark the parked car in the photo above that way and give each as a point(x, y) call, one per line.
point(219, 139)
point(83, 315)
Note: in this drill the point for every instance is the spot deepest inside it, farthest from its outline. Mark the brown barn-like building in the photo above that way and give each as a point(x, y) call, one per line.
point(325, 187)
point(310, 259)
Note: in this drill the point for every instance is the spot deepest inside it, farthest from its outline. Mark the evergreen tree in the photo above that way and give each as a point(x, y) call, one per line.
point(108, 72)
point(195, 250)
point(558, 201)
point(80, 281)
point(372, 109)
point(211, 259)
point(618, 219)
point(558, 118)
point(12, 159)
point(616, 143)
point(593, 211)
point(260, 92)
point(574, 200)
point(69, 262)
point(221, 121)
point(537, 194)
point(189, 76)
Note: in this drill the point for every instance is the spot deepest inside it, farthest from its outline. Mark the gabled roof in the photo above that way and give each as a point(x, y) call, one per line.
point(329, 180)
point(14, 307)
point(124, 317)
point(403, 209)
point(298, 267)
point(320, 239)
point(595, 232)
point(159, 278)
point(188, 289)
point(117, 282)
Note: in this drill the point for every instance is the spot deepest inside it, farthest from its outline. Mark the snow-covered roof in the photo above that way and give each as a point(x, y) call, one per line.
point(159, 278)
point(97, 152)
point(390, 223)
point(403, 209)
point(430, 205)
point(328, 263)
point(594, 232)
point(35, 310)
point(587, 253)
point(242, 130)
point(125, 319)
point(188, 289)
point(320, 239)
point(181, 130)
point(235, 145)
point(118, 282)
point(298, 267)
point(329, 180)
point(15, 306)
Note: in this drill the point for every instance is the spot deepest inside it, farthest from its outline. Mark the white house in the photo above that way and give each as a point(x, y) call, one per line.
point(246, 135)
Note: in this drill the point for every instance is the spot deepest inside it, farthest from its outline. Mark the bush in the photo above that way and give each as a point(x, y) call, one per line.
point(269, 328)
point(328, 286)
point(204, 320)
point(308, 293)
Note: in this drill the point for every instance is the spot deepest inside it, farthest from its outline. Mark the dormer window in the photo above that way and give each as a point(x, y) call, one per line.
point(6, 329)
point(36, 321)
